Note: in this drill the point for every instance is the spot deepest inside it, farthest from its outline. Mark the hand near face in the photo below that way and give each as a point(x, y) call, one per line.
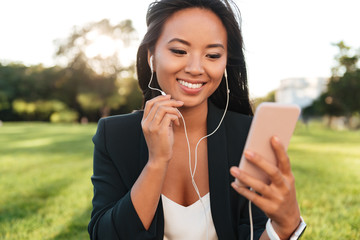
point(277, 199)
point(160, 114)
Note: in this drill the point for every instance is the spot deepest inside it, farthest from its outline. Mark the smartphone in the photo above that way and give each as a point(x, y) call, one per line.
point(270, 119)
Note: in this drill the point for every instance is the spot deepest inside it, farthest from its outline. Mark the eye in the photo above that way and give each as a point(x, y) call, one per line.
point(213, 56)
point(178, 51)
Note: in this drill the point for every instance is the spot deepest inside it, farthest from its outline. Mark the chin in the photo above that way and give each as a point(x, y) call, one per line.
point(193, 103)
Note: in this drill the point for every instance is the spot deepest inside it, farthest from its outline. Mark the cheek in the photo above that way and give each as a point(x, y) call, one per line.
point(217, 72)
point(166, 67)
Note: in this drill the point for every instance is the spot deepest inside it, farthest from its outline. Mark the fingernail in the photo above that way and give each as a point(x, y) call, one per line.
point(233, 170)
point(234, 185)
point(180, 102)
point(276, 139)
point(249, 154)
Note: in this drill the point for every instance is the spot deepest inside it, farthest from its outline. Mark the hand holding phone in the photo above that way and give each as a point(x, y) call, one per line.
point(271, 119)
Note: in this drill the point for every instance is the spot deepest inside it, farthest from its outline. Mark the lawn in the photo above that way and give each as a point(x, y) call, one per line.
point(45, 172)
point(46, 191)
point(326, 165)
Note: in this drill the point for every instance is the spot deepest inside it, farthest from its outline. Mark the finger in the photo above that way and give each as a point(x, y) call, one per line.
point(162, 111)
point(160, 103)
point(252, 196)
point(162, 128)
point(177, 122)
point(281, 155)
point(270, 169)
point(149, 104)
point(167, 122)
point(256, 184)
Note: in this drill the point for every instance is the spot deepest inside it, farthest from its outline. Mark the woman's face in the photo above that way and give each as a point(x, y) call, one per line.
point(190, 55)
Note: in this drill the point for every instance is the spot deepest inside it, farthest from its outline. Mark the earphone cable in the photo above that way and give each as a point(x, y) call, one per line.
point(192, 173)
point(151, 78)
point(196, 148)
point(251, 222)
point(221, 120)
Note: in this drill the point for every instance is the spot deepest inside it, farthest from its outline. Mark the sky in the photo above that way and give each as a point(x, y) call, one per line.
point(283, 38)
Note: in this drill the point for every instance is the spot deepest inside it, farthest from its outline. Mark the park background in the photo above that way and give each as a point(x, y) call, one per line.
point(65, 64)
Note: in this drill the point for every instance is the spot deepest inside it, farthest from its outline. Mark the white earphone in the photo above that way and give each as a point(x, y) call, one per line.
point(151, 64)
point(192, 171)
point(152, 76)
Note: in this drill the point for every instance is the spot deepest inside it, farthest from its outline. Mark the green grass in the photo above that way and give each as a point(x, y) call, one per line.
point(45, 190)
point(326, 165)
point(45, 186)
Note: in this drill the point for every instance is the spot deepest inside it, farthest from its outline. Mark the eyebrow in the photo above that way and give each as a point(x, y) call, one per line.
point(214, 45)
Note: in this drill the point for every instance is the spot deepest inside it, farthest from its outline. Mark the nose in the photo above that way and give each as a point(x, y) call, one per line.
point(194, 66)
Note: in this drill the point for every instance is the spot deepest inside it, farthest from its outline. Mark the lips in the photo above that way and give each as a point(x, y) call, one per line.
point(191, 85)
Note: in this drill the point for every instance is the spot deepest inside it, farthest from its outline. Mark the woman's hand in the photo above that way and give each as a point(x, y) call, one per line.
point(159, 115)
point(277, 199)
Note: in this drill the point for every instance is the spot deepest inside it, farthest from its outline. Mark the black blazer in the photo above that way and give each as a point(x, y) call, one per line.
point(120, 155)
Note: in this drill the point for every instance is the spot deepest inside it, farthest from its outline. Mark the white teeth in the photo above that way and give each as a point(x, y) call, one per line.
point(190, 85)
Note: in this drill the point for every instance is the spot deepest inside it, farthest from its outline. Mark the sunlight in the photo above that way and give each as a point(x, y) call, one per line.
point(102, 46)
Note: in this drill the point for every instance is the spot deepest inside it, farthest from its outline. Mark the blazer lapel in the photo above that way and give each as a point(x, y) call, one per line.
point(219, 178)
point(219, 175)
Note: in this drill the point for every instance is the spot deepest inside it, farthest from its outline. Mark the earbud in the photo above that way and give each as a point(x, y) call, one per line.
point(151, 64)
point(152, 75)
point(226, 79)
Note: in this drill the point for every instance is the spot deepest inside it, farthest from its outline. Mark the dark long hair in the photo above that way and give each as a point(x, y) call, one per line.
point(226, 10)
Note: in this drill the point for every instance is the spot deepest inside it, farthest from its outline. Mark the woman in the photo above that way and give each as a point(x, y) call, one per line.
point(143, 188)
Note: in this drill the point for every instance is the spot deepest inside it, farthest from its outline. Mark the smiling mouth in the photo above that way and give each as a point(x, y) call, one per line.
point(191, 85)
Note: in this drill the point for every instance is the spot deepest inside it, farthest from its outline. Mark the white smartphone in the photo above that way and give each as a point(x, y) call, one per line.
point(270, 119)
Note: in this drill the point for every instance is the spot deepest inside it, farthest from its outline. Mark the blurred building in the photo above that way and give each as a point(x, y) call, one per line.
point(300, 91)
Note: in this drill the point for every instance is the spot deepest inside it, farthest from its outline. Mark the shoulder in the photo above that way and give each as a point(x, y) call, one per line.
point(234, 122)
point(122, 121)
point(238, 121)
point(235, 128)
point(119, 128)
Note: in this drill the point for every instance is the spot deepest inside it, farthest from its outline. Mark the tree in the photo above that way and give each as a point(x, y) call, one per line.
point(29, 93)
point(93, 67)
point(20, 82)
point(346, 59)
point(90, 83)
point(10, 78)
point(342, 96)
point(270, 97)
point(323, 105)
point(344, 84)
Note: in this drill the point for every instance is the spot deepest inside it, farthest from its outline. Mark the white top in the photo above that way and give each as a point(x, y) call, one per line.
point(184, 223)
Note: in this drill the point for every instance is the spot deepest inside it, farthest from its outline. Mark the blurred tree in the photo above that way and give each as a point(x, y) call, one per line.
point(44, 110)
point(10, 87)
point(346, 60)
point(270, 97)
point(344, 84)
point(342, 96)
point(323, 105)
point(27, 83)
point(93, 68)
